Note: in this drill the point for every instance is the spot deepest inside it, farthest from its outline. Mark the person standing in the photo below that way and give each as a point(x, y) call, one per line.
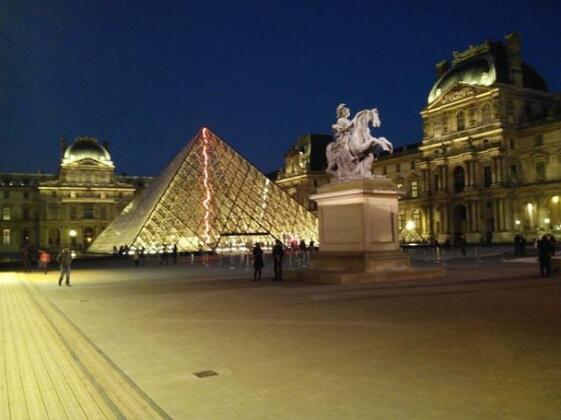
point(258, 262)
point(545, 250)
point(174, 254)
point(64, 258)
point(463, 244)
point(136, 256)
point(278, 254)
point(44, 260)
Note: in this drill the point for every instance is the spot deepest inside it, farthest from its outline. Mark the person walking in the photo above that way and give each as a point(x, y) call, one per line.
point(545, 250)
point(278, 254)
point(64, 258)
point(258, 263)
point(44, 260)
point(142, 256)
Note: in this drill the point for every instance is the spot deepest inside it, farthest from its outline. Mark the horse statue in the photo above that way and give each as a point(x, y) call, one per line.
point(352, 153)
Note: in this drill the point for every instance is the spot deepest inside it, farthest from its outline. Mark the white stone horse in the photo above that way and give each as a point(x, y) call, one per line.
point(353, 155)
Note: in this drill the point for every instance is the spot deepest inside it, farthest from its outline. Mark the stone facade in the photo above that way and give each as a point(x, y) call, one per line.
point(488, 166)
point(40, 210)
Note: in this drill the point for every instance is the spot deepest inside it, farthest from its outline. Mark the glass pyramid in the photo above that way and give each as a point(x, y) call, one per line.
point(211, 198)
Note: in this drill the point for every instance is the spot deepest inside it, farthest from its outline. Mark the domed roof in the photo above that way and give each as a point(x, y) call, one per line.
point(86, 147)
point(477, 71)
point(484, 65)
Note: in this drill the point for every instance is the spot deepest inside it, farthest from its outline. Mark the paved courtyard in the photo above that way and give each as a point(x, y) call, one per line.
point(484, 342)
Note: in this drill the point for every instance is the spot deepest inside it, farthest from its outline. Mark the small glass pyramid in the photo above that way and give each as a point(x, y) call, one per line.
point(209, 198)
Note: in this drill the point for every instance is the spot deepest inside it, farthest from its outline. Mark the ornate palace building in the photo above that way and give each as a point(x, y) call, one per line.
point(489, 163)
point(304, 169)
point(42, 210)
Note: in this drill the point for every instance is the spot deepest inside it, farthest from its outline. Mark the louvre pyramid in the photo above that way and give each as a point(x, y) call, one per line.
point(207, 196)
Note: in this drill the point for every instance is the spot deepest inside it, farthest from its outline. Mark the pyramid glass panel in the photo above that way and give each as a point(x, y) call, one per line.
point(209, 197)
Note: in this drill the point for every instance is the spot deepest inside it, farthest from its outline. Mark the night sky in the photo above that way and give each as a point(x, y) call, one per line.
point(147, 75)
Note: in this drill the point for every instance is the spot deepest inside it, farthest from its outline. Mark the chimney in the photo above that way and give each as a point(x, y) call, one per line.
point(513, 46)
point(63, 147)
point(441, 68)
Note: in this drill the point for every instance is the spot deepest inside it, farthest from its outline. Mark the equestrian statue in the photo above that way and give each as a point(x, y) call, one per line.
point(351, 154)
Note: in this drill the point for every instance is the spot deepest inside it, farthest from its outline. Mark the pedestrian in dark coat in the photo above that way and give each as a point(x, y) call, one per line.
point(278, 254)
point(545, 251)
point(258, 262)
point(64, 258)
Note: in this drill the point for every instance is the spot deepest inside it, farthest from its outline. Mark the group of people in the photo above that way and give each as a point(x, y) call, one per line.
point(41, 256)
point(259, 262)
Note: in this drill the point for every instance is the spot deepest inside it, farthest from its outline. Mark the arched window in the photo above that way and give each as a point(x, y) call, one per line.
point(459, 179)
point(461, 120)
point(486, 114)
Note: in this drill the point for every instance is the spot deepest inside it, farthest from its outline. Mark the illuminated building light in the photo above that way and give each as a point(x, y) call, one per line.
point(555, 199)
point(206, 201)
point(530, 207)
point(410, 225)
point(547, 220)
point(517, 222)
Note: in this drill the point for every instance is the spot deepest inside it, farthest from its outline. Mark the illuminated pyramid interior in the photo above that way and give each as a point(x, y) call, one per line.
point(209, 197)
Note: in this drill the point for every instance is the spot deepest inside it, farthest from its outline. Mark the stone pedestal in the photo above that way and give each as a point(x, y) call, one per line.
point(358, 235)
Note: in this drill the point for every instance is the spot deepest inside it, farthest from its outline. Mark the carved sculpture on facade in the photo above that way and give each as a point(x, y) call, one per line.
point(352, 153)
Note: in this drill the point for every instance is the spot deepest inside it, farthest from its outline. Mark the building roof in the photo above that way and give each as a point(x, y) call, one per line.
point(86, 147)
point(485, 65)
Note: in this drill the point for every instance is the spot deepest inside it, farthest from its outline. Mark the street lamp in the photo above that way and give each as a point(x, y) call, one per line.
point(72, 233)
point(546, 220)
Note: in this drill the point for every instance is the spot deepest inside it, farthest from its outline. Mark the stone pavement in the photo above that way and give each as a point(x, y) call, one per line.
point(50, 370)
point(483, 342)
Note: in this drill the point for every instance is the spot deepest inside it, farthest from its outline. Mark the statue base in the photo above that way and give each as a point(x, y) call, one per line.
point(358, 234)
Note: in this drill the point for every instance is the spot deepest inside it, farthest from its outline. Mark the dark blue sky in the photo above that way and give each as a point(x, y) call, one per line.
point(147, 75)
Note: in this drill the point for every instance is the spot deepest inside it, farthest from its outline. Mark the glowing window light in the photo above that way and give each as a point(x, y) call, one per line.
point(530, 207)
point(555, 199)
point(206, 201)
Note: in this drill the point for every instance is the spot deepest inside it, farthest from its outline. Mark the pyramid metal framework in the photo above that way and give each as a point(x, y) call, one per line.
point(207, 196)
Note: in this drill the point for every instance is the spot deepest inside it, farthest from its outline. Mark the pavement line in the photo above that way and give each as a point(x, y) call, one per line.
point(125, 398)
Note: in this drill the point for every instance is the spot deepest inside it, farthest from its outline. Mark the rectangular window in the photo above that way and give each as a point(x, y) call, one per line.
point(540, 171)
point(398, 167)
point(488, 178)
point(88, 211)
point(414, 189)
point(6, 213)
point(6, 236)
